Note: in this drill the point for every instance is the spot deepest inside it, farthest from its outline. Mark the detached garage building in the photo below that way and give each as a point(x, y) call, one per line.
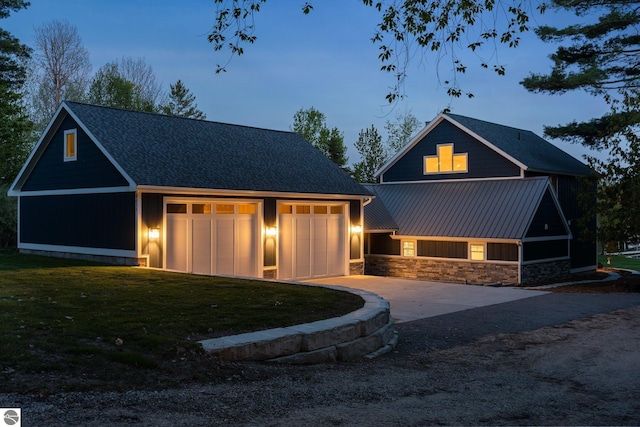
point(188, 195)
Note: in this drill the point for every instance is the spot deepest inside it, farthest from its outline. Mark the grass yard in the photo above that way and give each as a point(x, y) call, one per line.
point(85, 322)
point(618, 261)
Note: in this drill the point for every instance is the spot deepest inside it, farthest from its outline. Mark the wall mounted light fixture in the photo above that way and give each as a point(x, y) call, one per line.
point(356, 229)
point(154, 233)
point(271, 232)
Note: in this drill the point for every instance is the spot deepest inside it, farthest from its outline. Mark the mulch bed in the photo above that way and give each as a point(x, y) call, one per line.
point(626, 283)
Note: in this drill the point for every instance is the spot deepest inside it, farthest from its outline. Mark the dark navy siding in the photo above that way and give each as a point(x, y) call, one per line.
point(87, 220)
point(382, 244)
point(547, 220)
point(152, 217)
point(544, 250)
point(91, 169)
point(482, 162)
point(583, 227)
point(502, 251)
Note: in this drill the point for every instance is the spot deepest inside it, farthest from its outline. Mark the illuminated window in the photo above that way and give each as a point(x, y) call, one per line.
point(247, 209)
point(446, 161)
point(176, 208)
point(285, 209)
point(476, 250)
point(319, 209)
point(70, 145)
point(337, 210)
point(201, 208)
point(225, 209)
point(303, 209)
point(408, 248)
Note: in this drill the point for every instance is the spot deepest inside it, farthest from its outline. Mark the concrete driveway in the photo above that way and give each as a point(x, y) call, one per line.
point(417, 299)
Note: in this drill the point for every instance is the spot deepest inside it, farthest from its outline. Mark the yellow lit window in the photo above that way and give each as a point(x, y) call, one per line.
point(477, 252)
point(303, 209)
point(225, 209)
point(337, 210)
point(319, 209)
point(70, 145)
point(408, 248)
point(247, 209)
point(201, 208)
point(445, 161)
point(285, 209)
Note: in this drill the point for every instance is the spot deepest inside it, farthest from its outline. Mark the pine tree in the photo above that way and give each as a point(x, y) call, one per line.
point(182, 103)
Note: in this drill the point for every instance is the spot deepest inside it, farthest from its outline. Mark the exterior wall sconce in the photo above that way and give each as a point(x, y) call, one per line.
point(271, 232)
point(356, 229)
point(154, 233)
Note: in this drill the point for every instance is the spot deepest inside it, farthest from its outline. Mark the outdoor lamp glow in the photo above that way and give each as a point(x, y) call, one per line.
point(271, 231)
point(154, 233)
point(356, 229)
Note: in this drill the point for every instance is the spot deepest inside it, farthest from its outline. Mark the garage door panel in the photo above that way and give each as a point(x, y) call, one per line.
point(320, 246)
point(224, 245)
point(201, 246)
point(246, 257)
point(303, 247)
point(177, 230)
point(285, 240)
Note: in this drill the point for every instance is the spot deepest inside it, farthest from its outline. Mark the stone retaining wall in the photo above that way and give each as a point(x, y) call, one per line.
point(367, 330)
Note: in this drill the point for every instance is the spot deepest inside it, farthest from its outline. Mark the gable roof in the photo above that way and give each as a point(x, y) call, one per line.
point(167, 151)
point(523, 147)
point(491, 209)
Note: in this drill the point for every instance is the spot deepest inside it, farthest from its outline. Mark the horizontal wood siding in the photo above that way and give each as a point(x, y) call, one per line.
point(86, 220)
point(547, 220)
point(91, 169)
point(483, 162)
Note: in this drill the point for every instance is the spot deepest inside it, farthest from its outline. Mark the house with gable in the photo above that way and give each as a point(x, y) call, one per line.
point(188, 195)
point(472, 201)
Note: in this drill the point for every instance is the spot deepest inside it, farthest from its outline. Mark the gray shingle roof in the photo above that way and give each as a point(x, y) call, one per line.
point(492, 209)
point(159, 150)
point(525, 146)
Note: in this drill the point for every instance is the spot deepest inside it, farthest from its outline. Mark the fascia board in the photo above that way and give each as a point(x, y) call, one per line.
point(419, 136)
point(254, 193)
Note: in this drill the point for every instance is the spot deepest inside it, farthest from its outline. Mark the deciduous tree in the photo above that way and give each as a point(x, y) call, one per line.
point(62, 69)
point(311, 124)
point(111, 89)
point(372, 155)
point(400, 131)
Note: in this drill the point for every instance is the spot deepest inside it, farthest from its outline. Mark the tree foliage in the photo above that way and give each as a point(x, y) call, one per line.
point(182, 103)
point(372, 153)
point(111, 87)
point(311, 124)
point(15, 126)
point(62, 69)
point(400, 131)
point(602, 58)
point(436, 30)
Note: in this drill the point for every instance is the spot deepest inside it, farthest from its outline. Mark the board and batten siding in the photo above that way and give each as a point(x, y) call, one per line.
point(547, 220)
point(482, 162)
point(106, 221)
point(91, 169)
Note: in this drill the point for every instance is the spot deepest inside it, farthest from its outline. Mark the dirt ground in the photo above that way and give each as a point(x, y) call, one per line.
point(579, 372)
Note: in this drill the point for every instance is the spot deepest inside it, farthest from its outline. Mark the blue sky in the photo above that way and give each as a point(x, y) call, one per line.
point(323, 60)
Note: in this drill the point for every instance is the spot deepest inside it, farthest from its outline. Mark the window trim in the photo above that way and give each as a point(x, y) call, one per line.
point(65, 147)
point(427, 159)
point(415, 248)
point(484, 251)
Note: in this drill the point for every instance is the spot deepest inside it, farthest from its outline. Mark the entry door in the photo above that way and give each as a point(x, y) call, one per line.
point(312, 241)
point(214, 237)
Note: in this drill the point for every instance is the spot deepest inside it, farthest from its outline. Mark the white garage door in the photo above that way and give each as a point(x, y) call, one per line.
point(312, 241)
point(214, 237)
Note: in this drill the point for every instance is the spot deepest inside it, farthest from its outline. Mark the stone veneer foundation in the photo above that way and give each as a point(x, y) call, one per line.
point(533, 274)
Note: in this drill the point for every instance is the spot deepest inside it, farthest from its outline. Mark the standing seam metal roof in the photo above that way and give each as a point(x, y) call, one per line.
point(492, 209)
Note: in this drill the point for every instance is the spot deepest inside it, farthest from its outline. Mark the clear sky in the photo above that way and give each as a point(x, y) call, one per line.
point(323, 60)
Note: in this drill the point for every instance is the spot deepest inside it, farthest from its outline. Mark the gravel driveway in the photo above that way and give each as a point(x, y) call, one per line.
point(561, 359)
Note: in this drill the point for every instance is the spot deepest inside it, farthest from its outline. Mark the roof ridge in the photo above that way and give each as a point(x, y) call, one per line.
point(493, 123)
point(125, 110)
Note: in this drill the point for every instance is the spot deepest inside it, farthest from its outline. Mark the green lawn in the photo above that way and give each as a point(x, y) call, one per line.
point(58, 313)
point(618, 261)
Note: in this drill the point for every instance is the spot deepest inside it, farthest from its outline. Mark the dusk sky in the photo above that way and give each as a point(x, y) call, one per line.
point(323, 60)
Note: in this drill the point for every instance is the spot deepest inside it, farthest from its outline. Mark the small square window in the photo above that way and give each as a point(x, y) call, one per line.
point(476, 250)
point(408, 248)
point(70, 145)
